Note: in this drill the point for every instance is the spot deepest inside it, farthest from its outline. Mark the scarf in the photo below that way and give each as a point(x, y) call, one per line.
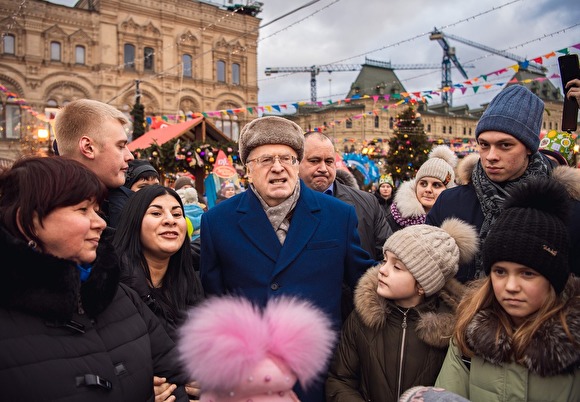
point(279, 216)
point(404, 222)
point(491, 196)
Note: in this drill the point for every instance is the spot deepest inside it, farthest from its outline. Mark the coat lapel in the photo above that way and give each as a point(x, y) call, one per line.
point(254, 224)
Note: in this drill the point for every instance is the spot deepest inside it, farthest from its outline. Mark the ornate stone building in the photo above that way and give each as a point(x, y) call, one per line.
point(443, 123)
point(188, 56)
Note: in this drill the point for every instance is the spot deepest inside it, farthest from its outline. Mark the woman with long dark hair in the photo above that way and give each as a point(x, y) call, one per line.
point(155, 251)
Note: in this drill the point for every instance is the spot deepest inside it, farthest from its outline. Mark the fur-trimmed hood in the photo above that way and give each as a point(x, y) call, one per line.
point(406, 200)
point(550, 352)
point(568, 176)
point(50, 287)
point(437, 317)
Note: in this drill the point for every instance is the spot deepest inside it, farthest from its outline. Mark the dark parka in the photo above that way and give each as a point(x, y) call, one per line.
point(63, 341)
point(462, 202)
point(372, 224)
point(376, 351)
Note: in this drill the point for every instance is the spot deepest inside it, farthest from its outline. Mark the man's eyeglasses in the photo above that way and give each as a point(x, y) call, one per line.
point(268, 160)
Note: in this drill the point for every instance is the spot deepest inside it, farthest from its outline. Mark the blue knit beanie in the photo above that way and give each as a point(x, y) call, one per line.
point(515, 111)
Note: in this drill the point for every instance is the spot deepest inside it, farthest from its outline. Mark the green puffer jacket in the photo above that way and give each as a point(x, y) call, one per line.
point(552, 371)
point(377, 359)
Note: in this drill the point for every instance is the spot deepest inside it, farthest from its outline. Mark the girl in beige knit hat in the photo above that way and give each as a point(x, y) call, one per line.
point(397, 336)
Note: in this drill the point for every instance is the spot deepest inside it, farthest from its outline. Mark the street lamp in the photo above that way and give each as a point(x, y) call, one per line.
point(43, 134)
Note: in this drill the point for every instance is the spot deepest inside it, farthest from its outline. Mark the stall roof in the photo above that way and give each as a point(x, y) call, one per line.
point(195, 129)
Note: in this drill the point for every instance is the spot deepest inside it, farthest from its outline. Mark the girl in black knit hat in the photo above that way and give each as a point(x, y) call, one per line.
point(516, 336)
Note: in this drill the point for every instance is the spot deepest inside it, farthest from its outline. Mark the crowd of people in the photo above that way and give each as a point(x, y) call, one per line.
point(460, 284)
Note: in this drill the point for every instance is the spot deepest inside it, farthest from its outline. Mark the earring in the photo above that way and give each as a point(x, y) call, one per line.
point(32, 244)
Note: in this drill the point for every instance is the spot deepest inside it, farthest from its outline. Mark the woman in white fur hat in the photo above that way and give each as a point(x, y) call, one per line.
point(414, 198)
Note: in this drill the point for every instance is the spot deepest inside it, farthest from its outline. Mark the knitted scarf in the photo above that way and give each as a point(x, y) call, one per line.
point(491, 196)
point(280, 215)
point(409, 221)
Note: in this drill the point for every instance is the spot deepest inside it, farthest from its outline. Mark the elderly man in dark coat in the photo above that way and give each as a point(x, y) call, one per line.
point(279, 237)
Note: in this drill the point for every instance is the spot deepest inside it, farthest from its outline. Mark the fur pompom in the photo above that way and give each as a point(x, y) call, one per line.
point(226, 338)
point(222, 338)
point(540, 193)
point(445, 153)
point(465, 236)
point(300, 335)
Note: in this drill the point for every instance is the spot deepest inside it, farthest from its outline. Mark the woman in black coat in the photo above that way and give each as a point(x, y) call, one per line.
point(156, 257)
point(68, 330)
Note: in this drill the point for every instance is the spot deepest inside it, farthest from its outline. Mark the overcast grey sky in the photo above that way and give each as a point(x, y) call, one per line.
point(345, 31)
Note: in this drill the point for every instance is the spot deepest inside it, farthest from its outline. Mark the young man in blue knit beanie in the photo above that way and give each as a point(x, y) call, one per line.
point(508, 135)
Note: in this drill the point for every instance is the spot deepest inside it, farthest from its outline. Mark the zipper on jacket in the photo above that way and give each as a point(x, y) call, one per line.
point(80, 308)
point(400, 374)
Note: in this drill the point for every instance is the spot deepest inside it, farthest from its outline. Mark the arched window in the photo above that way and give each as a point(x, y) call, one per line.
point(10, 125)
point(229, 126)
point(221, 71)
point(348, 123)
point(55, 51)
point(186, 64)
point(450, 130)
point(236, 74)
point(428, 128)
point(376, 121)
point(80, 55)
point(444, 128)
point(148, 59)
point(129, 56)
point(8, 44)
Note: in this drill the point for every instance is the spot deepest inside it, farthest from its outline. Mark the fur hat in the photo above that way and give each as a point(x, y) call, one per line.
point(188, 195)
point(559, 145)
point(433, 254)
point(271, 130)
point(183, 181)
point(137, 168)
point(531, 230)
point(386, 179)
point(239, 352)
point(517, 112)
point(440, 165)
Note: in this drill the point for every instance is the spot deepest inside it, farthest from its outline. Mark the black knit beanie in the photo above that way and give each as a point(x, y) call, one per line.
point(531, 230)
point(136, 170)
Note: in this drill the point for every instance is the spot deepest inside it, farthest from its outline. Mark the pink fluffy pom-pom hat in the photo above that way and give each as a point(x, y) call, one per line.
point(239, 352)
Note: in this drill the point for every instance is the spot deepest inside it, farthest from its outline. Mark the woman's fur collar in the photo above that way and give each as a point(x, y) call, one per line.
point(436, 313)
point(49, 286)
point(550, 352)
point(406, 200)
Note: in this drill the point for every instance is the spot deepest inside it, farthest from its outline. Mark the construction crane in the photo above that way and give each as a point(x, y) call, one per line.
point(329, 68)
point(450, 52)
point(448, 58)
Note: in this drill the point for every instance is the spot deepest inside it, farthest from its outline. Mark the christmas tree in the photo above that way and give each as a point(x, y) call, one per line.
point(138, 114)
point(409, 147)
